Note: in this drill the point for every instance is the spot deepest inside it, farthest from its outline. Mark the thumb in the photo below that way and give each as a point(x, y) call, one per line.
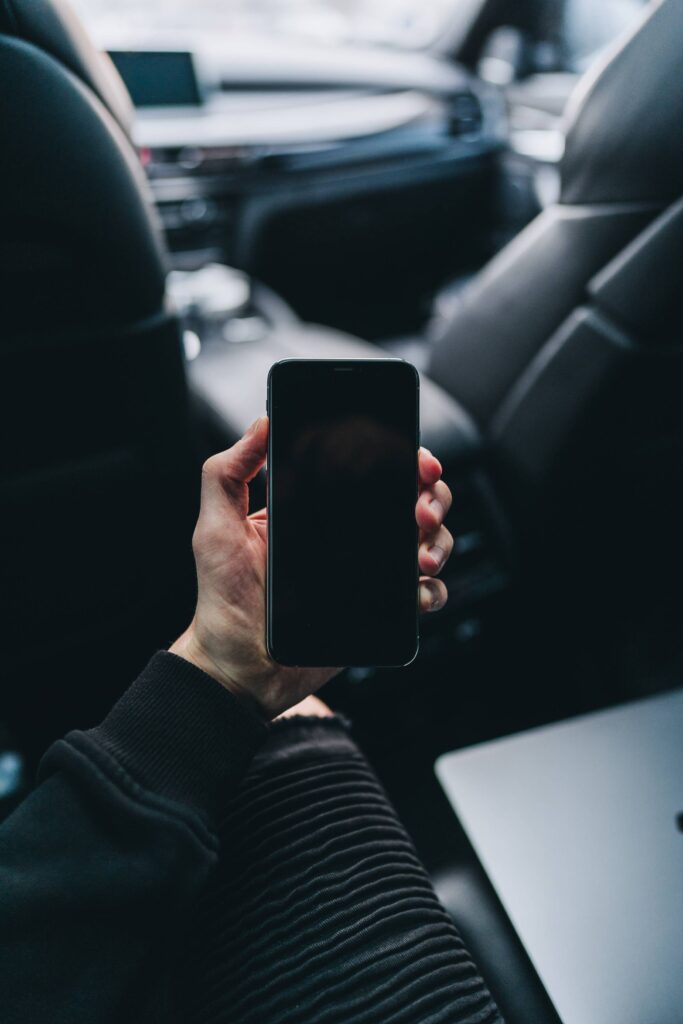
point(228, 473)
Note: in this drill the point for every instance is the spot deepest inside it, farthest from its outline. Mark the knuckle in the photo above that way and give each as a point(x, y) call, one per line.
point(444, 494)
point(198, 538)
point(208, 468)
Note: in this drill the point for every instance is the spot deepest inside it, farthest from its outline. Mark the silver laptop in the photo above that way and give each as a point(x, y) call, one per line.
point(579, 827)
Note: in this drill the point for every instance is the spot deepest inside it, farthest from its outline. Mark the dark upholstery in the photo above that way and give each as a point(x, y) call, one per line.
point(79, 241)
point(97, 473)
point(567, 350)
point(51, 26)
point(624, 143)
point(622, 167)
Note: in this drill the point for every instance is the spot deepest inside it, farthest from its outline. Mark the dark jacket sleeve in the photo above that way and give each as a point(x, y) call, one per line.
point(100, 862)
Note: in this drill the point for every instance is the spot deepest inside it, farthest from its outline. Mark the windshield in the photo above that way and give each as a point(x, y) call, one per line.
point(403, 23)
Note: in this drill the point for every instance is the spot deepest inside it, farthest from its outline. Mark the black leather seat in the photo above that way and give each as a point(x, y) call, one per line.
point(622, 171)
point(567, 351)
point(98, 477)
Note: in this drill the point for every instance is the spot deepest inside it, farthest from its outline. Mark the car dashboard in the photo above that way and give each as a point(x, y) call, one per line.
point(353, 186)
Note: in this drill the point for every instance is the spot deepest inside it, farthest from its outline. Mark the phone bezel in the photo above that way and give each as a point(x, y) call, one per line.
point(282, 657)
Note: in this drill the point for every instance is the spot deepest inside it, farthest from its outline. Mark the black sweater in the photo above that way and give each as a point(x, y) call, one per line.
point(102, 860)
point(318, 908)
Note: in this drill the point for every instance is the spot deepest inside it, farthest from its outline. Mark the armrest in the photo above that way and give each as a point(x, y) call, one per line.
point(229, 382)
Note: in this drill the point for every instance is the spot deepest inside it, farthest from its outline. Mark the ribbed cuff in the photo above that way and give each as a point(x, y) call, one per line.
point(180, 734)
point(305, 738)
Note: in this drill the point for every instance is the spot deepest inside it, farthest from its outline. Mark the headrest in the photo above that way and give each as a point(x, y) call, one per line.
point(624, 137)
point(52, 26)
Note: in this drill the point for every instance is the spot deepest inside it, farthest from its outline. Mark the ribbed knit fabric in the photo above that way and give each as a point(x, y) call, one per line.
point(320, 911)
point(178, 732)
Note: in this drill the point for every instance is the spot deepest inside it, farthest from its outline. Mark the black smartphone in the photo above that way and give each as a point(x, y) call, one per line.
point(342, 535)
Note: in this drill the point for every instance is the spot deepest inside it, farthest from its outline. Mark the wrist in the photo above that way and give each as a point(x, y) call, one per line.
point(188, 648)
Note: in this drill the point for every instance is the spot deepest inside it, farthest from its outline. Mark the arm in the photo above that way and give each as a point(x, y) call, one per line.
point(100, 862)
point(226, 637)
point(344, 923)
point(98, 865)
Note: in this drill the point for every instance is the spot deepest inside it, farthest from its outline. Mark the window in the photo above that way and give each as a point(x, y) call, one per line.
point(401, 23)
point(589, 26)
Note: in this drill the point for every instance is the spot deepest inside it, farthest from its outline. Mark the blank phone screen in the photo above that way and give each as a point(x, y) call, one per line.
point(342, 556)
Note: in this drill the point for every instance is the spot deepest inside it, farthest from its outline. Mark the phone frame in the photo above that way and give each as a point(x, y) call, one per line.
point(334, 364)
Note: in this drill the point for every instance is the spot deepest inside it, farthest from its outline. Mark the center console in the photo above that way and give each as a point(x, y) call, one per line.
point(353, 183)
point(236, 329)
point(344, 186)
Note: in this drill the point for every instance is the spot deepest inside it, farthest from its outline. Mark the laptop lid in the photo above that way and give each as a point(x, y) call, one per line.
point(579, 827)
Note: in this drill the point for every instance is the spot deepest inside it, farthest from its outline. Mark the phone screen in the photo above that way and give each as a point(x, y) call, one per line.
point(342, 487)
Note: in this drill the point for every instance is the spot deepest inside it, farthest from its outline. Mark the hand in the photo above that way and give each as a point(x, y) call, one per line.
point(226, 638)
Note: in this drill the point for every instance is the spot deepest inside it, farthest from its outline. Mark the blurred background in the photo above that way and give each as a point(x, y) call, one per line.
point(410, 24)
point(210, 186)
point(488, 188)
point(331, 149)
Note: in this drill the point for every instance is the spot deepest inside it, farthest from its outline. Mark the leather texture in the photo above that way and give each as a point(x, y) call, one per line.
point(52, 26)
point(511, 309)
point(229, 381)
point(623, 166)
point(80, 241)
point(98, 477)
point(640, 287)
point(568, 353)
point(624, 143)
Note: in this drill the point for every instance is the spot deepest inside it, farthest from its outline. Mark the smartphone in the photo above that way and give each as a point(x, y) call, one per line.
point(342, 537)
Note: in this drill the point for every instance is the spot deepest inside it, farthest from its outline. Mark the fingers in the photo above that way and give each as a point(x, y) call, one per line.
point(432, 507)
point(228, 473)
point(429, 467)
point(435, 551)
point(436, 542)
point(433, 594)
point(241, 463)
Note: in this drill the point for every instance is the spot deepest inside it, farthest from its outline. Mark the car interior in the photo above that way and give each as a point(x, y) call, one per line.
point(502, 207)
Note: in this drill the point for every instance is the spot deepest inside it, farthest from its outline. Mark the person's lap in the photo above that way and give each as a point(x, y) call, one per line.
point(319, 910)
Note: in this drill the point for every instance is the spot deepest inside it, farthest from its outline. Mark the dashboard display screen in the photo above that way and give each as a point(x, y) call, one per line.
point(158, 78)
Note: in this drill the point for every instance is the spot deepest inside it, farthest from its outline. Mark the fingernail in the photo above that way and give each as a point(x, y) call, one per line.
point(437, 553)
point(430, 453)
point(429, 596)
